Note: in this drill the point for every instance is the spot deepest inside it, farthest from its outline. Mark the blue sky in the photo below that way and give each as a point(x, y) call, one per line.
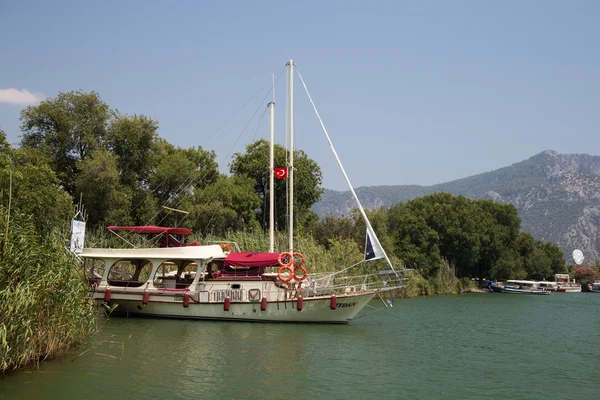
point(411, 92)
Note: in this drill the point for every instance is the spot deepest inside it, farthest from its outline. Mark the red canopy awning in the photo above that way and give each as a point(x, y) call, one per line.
point(151, 230)
point(245, 259)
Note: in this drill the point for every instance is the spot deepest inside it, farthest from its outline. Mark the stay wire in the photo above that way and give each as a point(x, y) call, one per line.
point(242, 107)
point(191, 179)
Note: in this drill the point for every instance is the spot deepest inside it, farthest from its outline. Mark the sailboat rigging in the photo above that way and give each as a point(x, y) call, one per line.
point(214, 282)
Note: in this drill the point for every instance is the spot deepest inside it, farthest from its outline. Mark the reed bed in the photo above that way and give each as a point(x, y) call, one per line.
point(45, 308)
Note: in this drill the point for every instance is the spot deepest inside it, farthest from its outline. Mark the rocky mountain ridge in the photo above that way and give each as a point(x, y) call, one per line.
point(557, 197)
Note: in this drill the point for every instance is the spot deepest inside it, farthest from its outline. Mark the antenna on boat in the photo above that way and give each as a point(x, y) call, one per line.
point(290, 64)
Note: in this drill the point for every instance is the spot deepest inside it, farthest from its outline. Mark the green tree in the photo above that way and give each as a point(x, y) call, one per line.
point(228, 204)
point(98, 182)
point(181, 171)
point(499, 232)
point(35, 189)
point(455, 220)
point(585, 274)
point(332, 227)
point(415, 242)
point(556, 258)
point(132, 140)
point(66, 128)
point(509, 266)
point(307, 181)
point(526, 247)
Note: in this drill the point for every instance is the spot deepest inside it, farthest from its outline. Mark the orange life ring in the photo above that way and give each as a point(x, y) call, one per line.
point(304, 273)
point(285, 255)
point(226, 247)
point(301, 263)
point(280, 273)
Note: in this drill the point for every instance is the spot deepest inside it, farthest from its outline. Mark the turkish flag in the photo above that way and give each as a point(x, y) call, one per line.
point(281, 173)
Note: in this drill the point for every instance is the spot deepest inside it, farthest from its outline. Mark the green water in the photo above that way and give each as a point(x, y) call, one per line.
point(443, 347)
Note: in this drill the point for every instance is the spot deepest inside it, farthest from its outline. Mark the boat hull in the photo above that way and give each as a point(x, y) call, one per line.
point(569, 289)
point(313, 309)
point(523, 291)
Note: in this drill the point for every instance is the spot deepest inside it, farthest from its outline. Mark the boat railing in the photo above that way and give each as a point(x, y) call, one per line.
point(320, 283)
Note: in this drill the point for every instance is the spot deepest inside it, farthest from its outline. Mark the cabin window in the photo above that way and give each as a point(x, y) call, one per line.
point(94, 269)
point(175, 274)
point(214, 269)
point(130, 273)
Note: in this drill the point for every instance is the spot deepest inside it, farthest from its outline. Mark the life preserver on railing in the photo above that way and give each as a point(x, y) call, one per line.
point(301, 262)
point(226, 247)
point(304, 273)
point(286, 255)
point(282, 270)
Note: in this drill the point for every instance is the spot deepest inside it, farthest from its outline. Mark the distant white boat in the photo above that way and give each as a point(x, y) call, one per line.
point(521, 287)
point(565, 284)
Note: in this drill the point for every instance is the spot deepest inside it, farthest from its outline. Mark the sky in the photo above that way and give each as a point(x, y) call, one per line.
point(411, 92)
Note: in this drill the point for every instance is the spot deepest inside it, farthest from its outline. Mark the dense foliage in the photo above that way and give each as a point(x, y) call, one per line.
point(44, 304)
point(586, 273)
point(476, 238)
point(76, 147)
point(125, 173)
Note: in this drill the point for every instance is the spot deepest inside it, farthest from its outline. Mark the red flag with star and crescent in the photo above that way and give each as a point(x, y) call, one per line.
point(281, 173)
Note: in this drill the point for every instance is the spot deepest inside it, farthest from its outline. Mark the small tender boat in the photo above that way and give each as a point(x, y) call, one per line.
point(521, 287)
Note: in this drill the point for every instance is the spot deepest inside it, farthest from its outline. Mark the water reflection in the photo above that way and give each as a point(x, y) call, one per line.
point(438, 347)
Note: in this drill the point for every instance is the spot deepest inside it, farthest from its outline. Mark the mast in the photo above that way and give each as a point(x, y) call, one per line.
point(291, 164)
point(272, 181)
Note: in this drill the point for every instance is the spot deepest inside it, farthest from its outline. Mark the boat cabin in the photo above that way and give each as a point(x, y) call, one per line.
point(174, 268)
point(522, 284)
point(551, 286)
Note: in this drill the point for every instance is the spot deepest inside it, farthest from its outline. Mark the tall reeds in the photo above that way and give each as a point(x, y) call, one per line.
point(44, 304)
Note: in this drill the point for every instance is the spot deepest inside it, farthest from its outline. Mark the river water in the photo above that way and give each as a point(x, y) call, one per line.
point(470, 346)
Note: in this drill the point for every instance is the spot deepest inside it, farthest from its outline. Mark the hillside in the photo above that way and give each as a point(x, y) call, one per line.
point(557, 196)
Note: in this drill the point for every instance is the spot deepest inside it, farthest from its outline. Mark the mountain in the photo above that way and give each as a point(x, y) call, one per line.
point(557, 197)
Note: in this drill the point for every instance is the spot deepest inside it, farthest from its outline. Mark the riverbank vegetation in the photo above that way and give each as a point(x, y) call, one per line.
point(44, 304)
point(75, 147)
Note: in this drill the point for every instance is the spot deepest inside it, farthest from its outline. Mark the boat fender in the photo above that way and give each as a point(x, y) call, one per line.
point(304, 273)
point(333, 303)
point(186, 300)
point(263, 304)
point(146, 297)
point(107, 295)
point(227, 303)
point(281, 272)
point(300, 303)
